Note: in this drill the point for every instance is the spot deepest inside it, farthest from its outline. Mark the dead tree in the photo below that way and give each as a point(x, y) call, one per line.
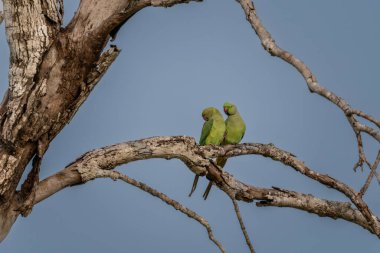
point(52, 71)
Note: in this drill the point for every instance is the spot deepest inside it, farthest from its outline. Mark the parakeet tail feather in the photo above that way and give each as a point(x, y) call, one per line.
point(220, 161)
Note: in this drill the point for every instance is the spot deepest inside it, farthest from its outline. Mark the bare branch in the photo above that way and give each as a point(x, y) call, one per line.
point(368, 130)
point(377, 177)
point(167, 3)
point(271, 47)
point(98, 173)
point(269, 150)
point(362, 158)
point(197, 159)
point(367, 117)
point(370, 176)
point(105, 61)
point(307, 202)
point(107, 158)
point(52, 72)
point(242, 226)
point(287, 158)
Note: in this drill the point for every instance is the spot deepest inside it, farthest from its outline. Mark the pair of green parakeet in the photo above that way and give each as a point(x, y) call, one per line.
point(216, 131)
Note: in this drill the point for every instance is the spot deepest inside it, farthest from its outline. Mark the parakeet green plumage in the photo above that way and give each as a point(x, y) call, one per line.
point(212, 132)
point(235, 129)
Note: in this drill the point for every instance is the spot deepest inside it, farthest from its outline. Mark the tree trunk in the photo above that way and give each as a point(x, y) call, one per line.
point(52, 71)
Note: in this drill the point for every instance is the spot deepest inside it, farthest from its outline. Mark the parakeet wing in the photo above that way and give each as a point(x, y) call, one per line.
point(242, 136)
point(206, 129)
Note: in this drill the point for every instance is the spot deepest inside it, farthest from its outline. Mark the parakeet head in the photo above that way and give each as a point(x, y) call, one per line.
point(229, 109)
point(208, 112)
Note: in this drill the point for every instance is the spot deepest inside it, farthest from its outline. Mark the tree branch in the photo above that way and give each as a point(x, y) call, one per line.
point(362, 157)
point(371, 175)
point(242, 226)
point(306, 202)
point(52, 72)
point(367, 117)
point(269, 150)
point(167, 3)
point(99, 173)
point(197, 159)
point(105, 61)
point(271, 47)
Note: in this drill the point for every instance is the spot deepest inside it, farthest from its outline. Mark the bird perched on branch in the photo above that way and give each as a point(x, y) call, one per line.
point(212, 132)
point(235, 130)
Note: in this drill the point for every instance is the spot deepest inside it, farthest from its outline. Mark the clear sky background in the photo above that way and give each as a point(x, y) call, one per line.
point(176, 61)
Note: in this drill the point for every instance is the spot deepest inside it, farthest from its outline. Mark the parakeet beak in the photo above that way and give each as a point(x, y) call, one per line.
point(225, 110)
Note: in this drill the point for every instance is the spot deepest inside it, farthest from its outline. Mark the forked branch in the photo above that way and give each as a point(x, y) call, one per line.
point(371, 175)
point(197, 159)
point(115, 175)
point(273, 49)
point(242, 226)
point(83, 67)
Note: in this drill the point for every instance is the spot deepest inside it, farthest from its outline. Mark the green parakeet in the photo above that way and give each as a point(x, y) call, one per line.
point(235, 129)
point(212, 132)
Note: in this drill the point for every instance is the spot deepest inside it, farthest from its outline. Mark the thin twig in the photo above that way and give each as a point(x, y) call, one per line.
point(175, 204)
point(367, 117)
point(366, 129)
point(362, 158)
point(314, 86)
point(377, 177)
point(242, 226)
point(370, 176)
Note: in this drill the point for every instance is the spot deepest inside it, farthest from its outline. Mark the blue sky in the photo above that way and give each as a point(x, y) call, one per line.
point(176, 61)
